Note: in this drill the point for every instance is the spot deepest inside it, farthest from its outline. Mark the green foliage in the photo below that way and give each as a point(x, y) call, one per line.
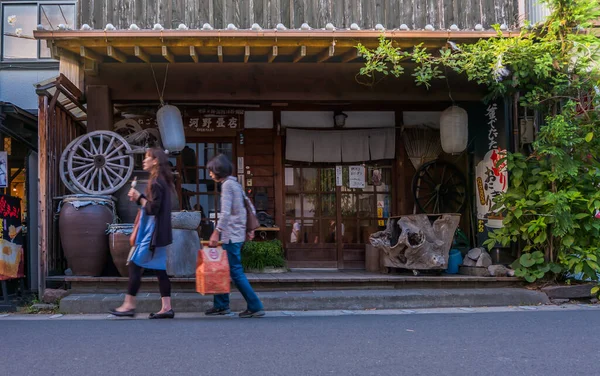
point(258, 255)
point(553, 190)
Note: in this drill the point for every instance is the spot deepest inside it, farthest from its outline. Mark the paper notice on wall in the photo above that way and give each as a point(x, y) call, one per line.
point(289, 177)
point(357, 176)
point(339, 173)
point(240, 165)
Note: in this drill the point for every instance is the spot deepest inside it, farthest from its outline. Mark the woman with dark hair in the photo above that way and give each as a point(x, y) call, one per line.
point(154, 233)
point(231, 227)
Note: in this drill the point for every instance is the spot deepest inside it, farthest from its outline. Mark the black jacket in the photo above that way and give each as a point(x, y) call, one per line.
point(159, 205)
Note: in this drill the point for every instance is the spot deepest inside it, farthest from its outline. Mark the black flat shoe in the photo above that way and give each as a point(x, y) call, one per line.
point(129, 313)
point(170, 314)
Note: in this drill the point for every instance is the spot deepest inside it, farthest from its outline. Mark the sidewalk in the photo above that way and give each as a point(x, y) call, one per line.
point(321, 300)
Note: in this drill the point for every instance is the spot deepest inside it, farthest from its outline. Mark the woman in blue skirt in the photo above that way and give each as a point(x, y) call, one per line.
point(154, 233)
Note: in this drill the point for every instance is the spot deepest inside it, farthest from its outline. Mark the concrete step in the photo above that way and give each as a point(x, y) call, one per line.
point(320, 300)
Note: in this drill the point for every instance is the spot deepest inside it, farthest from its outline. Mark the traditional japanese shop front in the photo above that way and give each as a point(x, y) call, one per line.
point(328, 159)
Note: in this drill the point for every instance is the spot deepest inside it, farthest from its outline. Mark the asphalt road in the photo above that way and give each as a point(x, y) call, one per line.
point(505, 343)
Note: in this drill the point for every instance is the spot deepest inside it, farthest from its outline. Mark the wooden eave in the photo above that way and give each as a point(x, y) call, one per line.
point(269, 46)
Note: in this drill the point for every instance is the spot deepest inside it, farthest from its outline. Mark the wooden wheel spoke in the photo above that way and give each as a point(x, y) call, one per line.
point(108, 179)
point(84, 174)
point(85, 151)
point(100, 182)
point(117, 166)
point(117, 158)
point(110, 144)
point(100, 151)
point(83, 167)
point(114, 151)
point(109, 170)
point(91, 182)
point(93, 147)
point(82, 159)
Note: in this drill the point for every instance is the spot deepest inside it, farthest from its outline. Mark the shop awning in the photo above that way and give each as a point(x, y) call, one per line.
point(265, 46)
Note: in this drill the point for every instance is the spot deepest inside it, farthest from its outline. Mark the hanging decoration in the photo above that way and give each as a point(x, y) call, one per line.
point(454, 130)
point(170, 121)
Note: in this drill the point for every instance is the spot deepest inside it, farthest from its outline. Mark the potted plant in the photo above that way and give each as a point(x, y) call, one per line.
point(263, 257)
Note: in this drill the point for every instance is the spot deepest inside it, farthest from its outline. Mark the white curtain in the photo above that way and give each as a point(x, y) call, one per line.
point(355, 146)
point(340, 146)
point(382, 143)
point(299, 146)
point(328, 146)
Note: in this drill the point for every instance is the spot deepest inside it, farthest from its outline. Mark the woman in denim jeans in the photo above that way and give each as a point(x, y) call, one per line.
point(232, 230)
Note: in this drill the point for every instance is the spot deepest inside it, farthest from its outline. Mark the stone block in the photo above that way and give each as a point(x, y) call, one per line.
point(568, 292)
point(52, 296)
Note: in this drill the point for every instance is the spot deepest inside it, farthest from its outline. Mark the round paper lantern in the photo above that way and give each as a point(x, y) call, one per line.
point(454, 130)
point(170, 125)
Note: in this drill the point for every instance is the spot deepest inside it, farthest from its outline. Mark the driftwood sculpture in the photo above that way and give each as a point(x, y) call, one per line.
point(414, 242)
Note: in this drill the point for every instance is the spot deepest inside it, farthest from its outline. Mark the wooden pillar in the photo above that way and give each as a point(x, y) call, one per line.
point(279, 176)
point(99, 109)
point(402, 186)
point(43, 198)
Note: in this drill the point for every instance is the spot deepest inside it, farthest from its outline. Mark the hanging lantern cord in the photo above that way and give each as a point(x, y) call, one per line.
point(447, 84)
point(160, 94)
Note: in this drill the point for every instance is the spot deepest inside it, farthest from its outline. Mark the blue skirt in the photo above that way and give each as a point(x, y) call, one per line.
point(142, 256)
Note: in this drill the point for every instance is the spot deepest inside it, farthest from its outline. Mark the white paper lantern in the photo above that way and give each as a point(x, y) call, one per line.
point(454, 130)
point(170, 125)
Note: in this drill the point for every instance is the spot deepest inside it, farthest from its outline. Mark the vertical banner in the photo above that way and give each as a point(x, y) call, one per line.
point(491, 179)
point(3, 169)
point(11, 238)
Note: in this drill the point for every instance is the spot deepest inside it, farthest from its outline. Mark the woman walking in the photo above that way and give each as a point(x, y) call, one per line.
point(154, 233)
point(232, 229)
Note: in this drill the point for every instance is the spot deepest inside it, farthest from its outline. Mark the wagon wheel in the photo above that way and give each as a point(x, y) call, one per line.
point(439, 187)
point(62, 168)
point(126, 127)
point(100, 163)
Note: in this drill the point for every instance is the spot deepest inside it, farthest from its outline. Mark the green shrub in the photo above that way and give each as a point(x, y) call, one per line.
point(258, 255)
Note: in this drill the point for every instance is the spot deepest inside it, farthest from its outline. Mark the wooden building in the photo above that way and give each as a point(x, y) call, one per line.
point(285, 103)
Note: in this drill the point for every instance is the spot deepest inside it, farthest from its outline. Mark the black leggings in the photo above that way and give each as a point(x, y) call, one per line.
point(135, 280)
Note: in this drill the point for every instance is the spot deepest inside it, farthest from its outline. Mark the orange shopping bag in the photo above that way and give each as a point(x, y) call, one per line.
point(212, 271)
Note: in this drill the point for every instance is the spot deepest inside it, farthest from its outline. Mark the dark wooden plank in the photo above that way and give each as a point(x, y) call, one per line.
point(151, 12)
point(218, 15)
point(229, 13)
point(299, 13)
point(368, 13)
point(340, 19)
point(140, 13)
point(203, 13)
point(256, 149)
point(245, 14)
point(379, 14)
point(259, 160)
point(260, 181)
point(178, 11)
point(98, 20)
point(84, 13)
point(284, 13)
point(99, 108)
point(263, 170)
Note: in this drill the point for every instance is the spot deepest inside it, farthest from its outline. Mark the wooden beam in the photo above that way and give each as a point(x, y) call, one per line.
point(167, 54)
point(246, 53)
point(71, 67)
point(350, 55)
point(273, 54)
point(99, 108)
point(299, 54)
point(220, 53)
point(89, 54)
point(43, 157)
point(194, 54)
point(141, 54)
point(90, 67)
point(116, 54)
point(326, 54)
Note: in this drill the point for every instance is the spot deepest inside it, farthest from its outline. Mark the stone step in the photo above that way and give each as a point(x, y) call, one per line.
point(319, 300)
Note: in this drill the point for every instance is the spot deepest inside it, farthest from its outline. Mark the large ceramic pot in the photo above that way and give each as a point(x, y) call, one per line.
point(126, 209)
point(118, 241)
point(182, 254)
point(82, 227)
